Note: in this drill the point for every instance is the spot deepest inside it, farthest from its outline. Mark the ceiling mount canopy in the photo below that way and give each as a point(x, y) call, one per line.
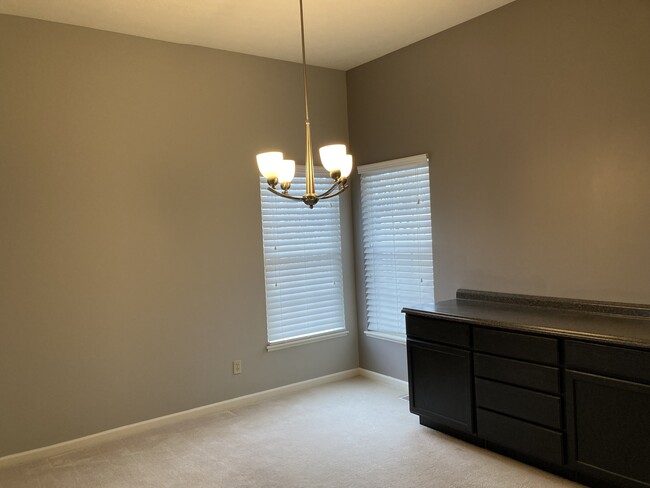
point(334, 158)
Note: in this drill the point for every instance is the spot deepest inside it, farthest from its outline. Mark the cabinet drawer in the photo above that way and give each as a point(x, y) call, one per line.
point(518, 402)
point(633, 364)
point(518, 346)
point(538, 442)
point(443, 331)
point(534, 376)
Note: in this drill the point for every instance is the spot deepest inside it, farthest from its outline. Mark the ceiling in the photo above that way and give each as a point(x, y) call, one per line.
point(339, 34)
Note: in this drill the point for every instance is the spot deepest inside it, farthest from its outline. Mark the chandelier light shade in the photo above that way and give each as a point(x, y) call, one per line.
point(280, 171)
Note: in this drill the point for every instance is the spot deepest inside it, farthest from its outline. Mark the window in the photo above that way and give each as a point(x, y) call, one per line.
point(303, 268)
point(397, 246)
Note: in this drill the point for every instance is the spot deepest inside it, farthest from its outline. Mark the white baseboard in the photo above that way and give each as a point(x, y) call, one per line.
point(119, 432)
point(366, 373)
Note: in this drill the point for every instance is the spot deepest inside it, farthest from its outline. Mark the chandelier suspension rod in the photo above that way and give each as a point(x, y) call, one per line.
point(304, 62)
point(309, 154)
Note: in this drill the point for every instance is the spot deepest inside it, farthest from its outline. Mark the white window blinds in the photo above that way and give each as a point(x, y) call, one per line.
point(302, 264)
point(397, 246)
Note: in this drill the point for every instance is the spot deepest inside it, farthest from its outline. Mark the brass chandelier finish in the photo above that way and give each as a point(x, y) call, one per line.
point(334, 157)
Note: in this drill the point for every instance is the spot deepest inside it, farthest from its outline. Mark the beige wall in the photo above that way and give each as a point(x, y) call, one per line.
point(537, 120)
point(131, 270)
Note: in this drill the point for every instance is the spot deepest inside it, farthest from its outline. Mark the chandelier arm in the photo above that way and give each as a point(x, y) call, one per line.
point(329, 190)
point(281, 194)
point(341, 190)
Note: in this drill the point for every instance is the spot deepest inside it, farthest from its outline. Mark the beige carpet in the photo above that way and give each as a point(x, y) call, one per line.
point(354, 433)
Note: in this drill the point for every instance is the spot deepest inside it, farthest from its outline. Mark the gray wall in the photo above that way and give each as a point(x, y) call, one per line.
point(537, 120)
point(131, 270)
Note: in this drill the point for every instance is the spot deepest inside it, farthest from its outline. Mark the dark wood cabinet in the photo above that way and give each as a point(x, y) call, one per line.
point(517, 380)
point(608, 417)
point(441, 387)
point(531, 348)
point(440, 373)
point(532, 406)
point(519, 436)
point(515, 372)
point(578, 408)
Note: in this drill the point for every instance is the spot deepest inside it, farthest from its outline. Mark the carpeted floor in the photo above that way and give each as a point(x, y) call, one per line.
point(353, 433)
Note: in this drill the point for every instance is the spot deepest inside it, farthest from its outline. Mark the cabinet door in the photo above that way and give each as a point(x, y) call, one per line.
point(608, 423)
point(440, 384)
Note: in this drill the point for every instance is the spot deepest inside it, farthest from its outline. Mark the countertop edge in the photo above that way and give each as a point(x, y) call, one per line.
point(539, 329)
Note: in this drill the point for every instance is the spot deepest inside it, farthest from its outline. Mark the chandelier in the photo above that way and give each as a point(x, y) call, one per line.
point(334, 158)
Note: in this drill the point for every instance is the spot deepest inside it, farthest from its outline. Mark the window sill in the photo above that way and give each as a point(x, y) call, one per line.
point(386, 337)
point(306, 340)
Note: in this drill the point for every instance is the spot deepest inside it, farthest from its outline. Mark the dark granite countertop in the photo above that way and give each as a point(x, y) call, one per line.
point(604, 322)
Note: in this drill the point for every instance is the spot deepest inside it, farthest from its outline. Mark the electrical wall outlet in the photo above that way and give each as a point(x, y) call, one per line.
point(236, 366)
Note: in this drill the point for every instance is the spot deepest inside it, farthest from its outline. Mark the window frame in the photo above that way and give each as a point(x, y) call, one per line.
point(383, 169)
point(270, 204)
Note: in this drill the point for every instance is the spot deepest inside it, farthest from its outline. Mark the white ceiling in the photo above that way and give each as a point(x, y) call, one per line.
point(339, 34)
